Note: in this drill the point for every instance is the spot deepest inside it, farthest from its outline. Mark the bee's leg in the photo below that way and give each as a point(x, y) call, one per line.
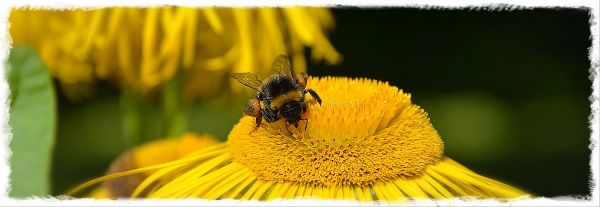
point(314, 95)
point(287, 125)
point(303, 106)
point(258, 120)
point(306, 125)
point(296, 125)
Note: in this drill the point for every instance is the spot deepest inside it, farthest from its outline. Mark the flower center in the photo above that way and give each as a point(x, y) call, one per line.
point(364, 131)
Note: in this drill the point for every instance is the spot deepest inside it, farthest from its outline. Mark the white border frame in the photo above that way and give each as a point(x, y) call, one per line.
point(594, 5)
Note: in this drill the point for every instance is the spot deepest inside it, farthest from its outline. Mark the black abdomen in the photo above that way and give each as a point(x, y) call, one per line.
point(278, 85)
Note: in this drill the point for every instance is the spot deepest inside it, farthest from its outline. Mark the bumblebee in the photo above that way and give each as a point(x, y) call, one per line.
point(280, 95)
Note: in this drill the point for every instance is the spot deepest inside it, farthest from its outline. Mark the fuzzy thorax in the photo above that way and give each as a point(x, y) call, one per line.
point(365, 131)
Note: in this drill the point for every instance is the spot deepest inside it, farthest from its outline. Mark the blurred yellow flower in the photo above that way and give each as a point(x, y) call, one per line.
point(366, 142)
point(141, 48)
point(152, 153)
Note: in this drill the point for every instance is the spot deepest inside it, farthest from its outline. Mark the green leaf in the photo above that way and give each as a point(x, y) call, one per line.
point(32, 122)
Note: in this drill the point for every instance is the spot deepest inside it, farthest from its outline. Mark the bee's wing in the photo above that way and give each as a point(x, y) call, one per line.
point(251, 80)
point(281, 65)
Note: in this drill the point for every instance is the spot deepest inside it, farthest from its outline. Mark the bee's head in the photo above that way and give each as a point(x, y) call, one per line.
point(291, 111)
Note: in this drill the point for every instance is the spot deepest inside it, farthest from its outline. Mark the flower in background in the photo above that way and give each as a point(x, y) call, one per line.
point(152, 153)
point(366, 142)
point(142, 48)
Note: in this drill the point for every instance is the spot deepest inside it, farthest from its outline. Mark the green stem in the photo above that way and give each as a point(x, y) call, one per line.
point(131, 117)
point(173, 109)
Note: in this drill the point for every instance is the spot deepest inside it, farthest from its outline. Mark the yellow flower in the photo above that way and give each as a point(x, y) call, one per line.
point(152, 153)
point(366, 142)
point(142, 48)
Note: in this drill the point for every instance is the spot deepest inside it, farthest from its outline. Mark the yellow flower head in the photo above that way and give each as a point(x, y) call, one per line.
point(148, 154)
point(142, 48)
point(364, 132)
point(366, 142)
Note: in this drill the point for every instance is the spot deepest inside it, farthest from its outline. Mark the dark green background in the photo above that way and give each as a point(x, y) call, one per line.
point(508, 92)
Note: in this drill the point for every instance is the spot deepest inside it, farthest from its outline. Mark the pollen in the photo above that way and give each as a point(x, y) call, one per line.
point(365, 131)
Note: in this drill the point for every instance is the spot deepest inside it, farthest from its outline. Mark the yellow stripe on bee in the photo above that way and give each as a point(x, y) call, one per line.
point(293, 95)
